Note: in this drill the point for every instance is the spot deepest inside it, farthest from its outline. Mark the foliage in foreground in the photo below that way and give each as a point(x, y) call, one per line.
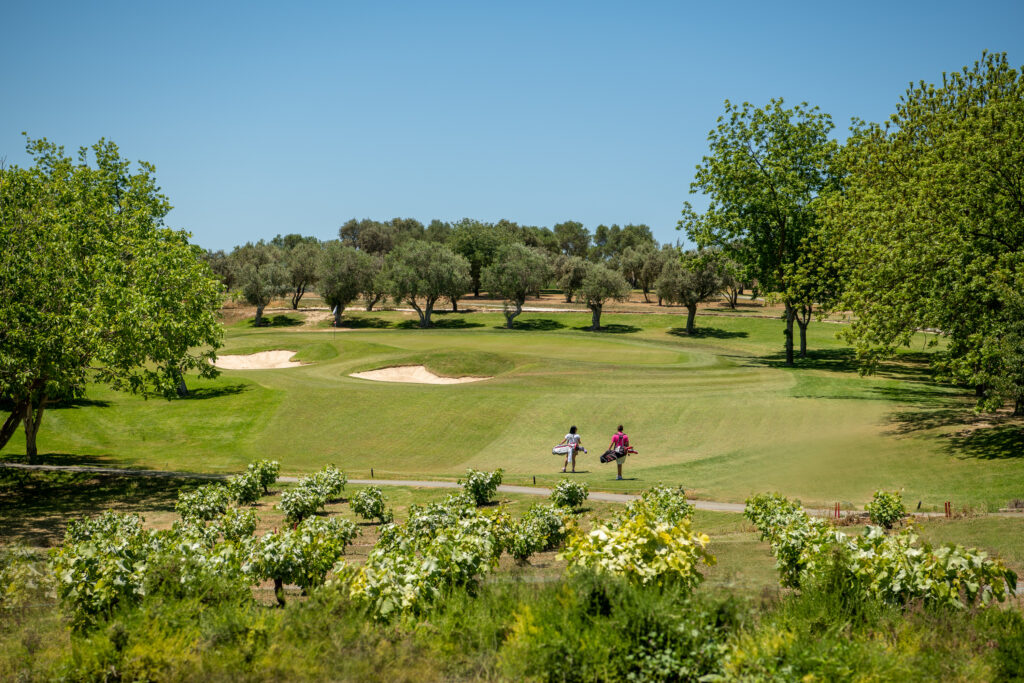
point(570, 494)
point(481, 486)
point(892, 568)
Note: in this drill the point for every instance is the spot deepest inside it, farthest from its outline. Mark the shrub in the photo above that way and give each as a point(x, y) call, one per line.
point(303, 555)
point(25, 581)
point(569, 494)
point(237, 524)
point(481, 486)
point(665, 503)
point(329, 482)
point(642, 550)
point(266, 471)
point(369, 504)
point(203, 503)
point(543, 527)
point(886, 509)
point(245, 488)
point(299, 503)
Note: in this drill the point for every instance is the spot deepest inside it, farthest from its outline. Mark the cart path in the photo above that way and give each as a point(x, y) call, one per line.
point(710, 505)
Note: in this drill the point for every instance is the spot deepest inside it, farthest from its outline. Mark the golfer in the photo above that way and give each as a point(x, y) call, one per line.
point(619, 444)
point(572, 440)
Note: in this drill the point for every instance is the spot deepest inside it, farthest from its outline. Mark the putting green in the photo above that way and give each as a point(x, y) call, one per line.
point(716, 412)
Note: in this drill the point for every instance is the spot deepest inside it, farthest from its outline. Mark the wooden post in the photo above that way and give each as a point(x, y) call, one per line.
point(371, 473)
point(535, 480)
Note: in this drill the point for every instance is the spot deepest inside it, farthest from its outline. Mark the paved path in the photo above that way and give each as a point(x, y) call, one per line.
point(711, 505)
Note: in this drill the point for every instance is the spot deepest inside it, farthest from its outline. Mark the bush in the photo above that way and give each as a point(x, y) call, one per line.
point(302, 556)
point(245, 488)
point(543, 527)
point(665, 503)
point(299, 503)
point(203, 503)
point(329, 482)
point(481, 486)
point(266, 471)
point(369, 504)
point(237, 524)
point(642, 550)
point(569, 494)
point(886, 509)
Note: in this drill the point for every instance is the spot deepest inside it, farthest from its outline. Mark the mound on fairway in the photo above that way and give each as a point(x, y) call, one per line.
point(414, 374)
point(265, 360)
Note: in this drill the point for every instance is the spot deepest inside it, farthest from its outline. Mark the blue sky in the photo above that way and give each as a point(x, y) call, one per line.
point(266, 118)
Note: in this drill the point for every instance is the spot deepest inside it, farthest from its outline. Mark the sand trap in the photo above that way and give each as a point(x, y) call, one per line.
point(265, 360)
point(414, 374)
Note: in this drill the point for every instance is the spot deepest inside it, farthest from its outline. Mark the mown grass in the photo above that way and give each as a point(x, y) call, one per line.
point(716, 411)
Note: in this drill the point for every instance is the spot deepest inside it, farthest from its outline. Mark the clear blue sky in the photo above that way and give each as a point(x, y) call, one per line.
point(266, 118)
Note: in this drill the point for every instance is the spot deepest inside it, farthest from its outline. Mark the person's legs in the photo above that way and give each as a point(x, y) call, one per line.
point(572, 458)
point(618, 465)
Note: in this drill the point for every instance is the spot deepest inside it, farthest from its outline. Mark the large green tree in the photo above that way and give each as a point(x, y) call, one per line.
point(93, 286)
point(573, 239)
point(420, 273)
point(343, 273)
point(478, 242)
point(517, 272)
point(301, 263)
point(764, 175)
point(931, 227)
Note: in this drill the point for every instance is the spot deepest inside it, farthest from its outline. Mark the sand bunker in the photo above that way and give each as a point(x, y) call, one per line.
point(415, 374)
point(265, 360)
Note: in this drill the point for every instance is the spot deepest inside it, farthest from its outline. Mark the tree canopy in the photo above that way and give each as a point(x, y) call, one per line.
point(694, 278)
point(517, 272)
point(930, 227)
point(343, 274)
point(600, 284)
point(420, 273)
point(763, 176)
point(94, 286)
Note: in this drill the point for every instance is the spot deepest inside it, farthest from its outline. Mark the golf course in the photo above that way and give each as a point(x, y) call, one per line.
point(716, 412)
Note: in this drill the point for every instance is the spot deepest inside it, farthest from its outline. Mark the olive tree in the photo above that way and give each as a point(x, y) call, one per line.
point(94, 287)
point(343, 273)
point(517, 272)
point(600, 284)
point(261, 275)
point(569, 274)
point(301, 262)
point(420, 273)
point(695, 277)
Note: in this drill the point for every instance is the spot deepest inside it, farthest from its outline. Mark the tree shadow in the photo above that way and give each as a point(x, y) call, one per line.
point(36, 506)
point(442, 324)
point(73, 403)
point(534, 325)
point(203, 393)
point(364, 323)
point(614, 328)
point(707, 332)
point(1003, 442)
point(281, 320)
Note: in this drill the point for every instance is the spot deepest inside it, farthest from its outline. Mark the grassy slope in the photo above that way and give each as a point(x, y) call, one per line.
point(716, 412)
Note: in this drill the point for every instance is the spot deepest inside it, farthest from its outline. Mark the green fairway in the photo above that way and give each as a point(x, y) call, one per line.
point(716, 412)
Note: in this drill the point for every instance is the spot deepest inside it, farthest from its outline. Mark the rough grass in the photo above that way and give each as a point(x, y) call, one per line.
point(715, 411)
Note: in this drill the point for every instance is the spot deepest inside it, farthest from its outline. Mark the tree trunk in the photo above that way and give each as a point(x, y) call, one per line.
point(595, 324)
point(803, 320)
point(427, 310)
point(790, 317)
point(455, 304)
point(419, 311)
point(11, 425)
point(1018, 407)
point(279, 592)
point(568, 297)
point(509, 317)
point(259, 316)
point(646, 300)
point(338, 311)
point(659, 301)
point(370, 303)
point(733, 296)
point(297, 296)
point(691, 314)
point(182, 387)
point(32, 420)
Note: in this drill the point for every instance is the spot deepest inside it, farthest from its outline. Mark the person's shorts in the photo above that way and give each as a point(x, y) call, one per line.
point(620, 459)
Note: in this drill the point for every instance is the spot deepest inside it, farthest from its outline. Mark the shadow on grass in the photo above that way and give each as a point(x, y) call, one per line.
point(614, 328)
point(439, 324)
point(536, 325)
point(203, 393)
point(707, 332)
point(1003, 442)
point(282, 320)
point(77, 403)
point(36, 506)
point(364, 323)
